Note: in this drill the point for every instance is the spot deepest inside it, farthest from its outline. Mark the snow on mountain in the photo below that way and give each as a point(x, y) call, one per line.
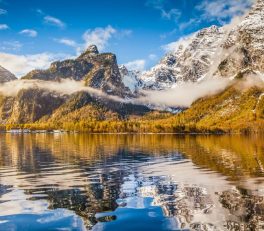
point(187, 62)
point(244, 45)
point(226, 51)
point(130, 78)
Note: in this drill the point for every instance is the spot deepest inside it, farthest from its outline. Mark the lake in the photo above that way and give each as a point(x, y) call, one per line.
point(131, 182)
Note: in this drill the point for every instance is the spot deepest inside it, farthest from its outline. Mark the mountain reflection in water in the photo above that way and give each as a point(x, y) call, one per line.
point(131, 182)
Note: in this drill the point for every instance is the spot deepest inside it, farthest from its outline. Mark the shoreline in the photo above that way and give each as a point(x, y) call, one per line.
point(129, 133)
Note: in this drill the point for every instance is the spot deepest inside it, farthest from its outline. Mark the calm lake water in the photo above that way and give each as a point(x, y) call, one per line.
point(131, 182)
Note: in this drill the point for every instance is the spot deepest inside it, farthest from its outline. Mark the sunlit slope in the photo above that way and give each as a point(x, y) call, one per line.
point(233, 109)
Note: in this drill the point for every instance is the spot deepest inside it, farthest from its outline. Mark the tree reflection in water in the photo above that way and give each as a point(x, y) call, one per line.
point(97, 174)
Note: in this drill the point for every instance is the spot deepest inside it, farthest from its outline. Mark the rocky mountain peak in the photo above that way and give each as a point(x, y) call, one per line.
point(90, 51)
point(6, 76)
point(96, 70)
point(208, 31)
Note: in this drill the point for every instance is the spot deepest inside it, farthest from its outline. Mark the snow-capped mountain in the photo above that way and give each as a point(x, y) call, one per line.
point(190, 60)
point(225, 51)
point(6, 76)
point(243, 48)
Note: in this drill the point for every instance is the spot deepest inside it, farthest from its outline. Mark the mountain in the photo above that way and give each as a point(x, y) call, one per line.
point(81, 106)
point(39, 105)
point(213, 52)
point(99, 71)
point(190, 60)
point(244, 44)
point(6, 76)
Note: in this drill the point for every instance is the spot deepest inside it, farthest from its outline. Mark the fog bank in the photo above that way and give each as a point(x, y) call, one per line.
point(62, 87)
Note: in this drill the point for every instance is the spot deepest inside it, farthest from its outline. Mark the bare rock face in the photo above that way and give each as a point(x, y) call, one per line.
point(99, 71)
point(91, 50)
point(6, 76)
point(105, 75)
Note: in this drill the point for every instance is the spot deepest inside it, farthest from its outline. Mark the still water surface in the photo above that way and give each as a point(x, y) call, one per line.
point(131, 182)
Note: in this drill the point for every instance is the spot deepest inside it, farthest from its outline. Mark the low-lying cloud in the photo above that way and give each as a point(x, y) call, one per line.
point(138, 65)
point(63, 87)
point(184, 94)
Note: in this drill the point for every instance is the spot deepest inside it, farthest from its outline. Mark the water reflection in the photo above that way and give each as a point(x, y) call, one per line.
point(131, 182)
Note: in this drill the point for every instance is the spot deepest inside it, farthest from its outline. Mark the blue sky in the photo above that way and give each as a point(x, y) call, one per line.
point(34, 33)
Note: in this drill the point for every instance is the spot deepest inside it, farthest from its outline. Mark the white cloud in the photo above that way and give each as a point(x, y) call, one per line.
point(166, 13)
point(221, 10)
point(207, 10)
point(170, 14)
point(29, 32)
point(174, 46)
point(123, 33)
point(67, 42)
point(22, 64)
point(138, 64)
point(39, 11)
point(4, 27)
point(2, 11)
point(10, 45)
point(152, 57)
point(99, 36)
point(192, 22)
point(184, 94)
point(54, 21)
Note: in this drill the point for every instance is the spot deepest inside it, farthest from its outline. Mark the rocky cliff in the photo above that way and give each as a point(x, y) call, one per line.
point(98, 71)
point(6, 76)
